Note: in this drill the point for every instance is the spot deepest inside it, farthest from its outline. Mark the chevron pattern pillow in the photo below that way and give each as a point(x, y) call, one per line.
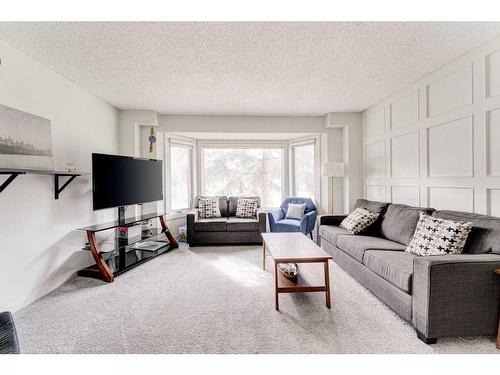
point(358, 220)
point(436, 236)
point(208, 207)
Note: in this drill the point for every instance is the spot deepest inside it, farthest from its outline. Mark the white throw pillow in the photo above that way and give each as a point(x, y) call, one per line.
point(358, 220)
point(247, 208)
point(208, 207)
point(295, 211)
point(436, 236)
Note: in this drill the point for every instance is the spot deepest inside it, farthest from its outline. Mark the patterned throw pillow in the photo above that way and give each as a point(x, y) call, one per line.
point(435, 236)
point(208, 207)
point(358, 220)
point(247, 208)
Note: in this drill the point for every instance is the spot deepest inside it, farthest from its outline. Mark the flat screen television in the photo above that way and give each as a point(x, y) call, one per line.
point(123, 180)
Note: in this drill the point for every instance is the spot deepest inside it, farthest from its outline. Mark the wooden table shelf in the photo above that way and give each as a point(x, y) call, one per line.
point(296, 248)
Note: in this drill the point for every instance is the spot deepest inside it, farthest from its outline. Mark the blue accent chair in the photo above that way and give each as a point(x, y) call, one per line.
point(278, 223)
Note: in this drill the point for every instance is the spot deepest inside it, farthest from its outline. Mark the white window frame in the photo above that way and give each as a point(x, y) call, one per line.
point(314, 140)
point(235, 144)
point(189, 143)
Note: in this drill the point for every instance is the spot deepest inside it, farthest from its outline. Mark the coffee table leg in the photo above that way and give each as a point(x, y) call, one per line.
point(263, 255)
point(276, 285)
point(327, 284)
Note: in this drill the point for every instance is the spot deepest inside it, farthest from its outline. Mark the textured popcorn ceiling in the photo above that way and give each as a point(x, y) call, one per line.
point(264, 68)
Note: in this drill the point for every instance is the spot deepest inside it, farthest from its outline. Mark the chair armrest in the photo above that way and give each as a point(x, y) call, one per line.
point(455, 295)
point(275, 216)
point(261, 217)
point(331, 219)
point(9, 343)
point(308, 221)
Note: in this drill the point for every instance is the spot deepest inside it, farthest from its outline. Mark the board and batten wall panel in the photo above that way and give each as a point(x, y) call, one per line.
point(440, 138)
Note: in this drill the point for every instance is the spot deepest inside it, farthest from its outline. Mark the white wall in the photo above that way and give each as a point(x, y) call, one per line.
point(40, 248)
point(436, 143)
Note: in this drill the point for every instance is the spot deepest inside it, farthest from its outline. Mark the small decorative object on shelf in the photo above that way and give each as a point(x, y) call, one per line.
point(151, 139)
point(289, 270)
point(70, 167)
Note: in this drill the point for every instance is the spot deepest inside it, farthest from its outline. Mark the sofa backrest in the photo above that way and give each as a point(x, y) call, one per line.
point(310, 206)
point(400, 221)
point(233, 203)
point(375, 207)
point(223, 205)
point(485, 234)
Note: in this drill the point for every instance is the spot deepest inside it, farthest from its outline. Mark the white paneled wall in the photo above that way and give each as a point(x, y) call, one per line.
point(437, 142)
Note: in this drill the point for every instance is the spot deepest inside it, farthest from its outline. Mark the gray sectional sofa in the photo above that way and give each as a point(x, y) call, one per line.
point(226, 230)
point(444, 295)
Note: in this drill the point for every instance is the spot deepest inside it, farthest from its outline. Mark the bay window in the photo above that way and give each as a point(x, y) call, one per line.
point(244, 170)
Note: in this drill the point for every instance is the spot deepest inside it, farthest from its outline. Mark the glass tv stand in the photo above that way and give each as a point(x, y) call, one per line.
point(119, 255)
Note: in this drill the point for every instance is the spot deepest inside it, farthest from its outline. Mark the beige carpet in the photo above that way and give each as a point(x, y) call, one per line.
point(217, 300)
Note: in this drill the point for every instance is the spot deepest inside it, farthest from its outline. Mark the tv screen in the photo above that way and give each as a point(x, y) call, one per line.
point(122, 180)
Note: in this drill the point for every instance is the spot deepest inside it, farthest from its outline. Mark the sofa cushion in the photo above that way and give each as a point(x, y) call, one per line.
point(211, 225)
point(236, 224)
point(331, 233)
point(356, 246)
point(375, 207)
point(400, 221)
point(222, 204)
point(394, 266)
point(485, 234)
point(233, 204)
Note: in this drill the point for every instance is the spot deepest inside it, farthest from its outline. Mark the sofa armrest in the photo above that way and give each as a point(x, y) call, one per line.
point(330, 219)
point(261, 216)
point(192, 216)
point(455, 295)
point(9, 343)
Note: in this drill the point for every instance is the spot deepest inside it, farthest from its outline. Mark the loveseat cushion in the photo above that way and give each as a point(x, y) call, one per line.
point(356, 246)
point(375, 207)
point(394, 266)
point(400, 221)
point(485, 234)
point(218, 224)
point(236, 224)
point(331, 233)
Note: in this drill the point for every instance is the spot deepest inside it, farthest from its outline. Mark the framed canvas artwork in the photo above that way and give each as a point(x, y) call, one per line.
point(25, 140)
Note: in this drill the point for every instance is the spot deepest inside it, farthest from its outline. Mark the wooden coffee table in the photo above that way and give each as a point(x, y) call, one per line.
point(296, 248)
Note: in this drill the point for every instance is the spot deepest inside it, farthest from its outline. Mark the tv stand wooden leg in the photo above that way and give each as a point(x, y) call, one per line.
point(171, 238)
point(106, 273)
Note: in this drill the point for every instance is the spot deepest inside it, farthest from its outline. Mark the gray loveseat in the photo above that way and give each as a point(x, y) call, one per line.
point(443, 295)
point(226, 230)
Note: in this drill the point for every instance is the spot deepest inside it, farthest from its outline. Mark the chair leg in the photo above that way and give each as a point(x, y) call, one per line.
point(311, 234)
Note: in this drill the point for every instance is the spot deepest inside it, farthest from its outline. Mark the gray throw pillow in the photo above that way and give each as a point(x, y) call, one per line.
point(295, 211)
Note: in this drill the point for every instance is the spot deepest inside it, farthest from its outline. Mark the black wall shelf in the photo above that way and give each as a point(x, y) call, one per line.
point(57, 174)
